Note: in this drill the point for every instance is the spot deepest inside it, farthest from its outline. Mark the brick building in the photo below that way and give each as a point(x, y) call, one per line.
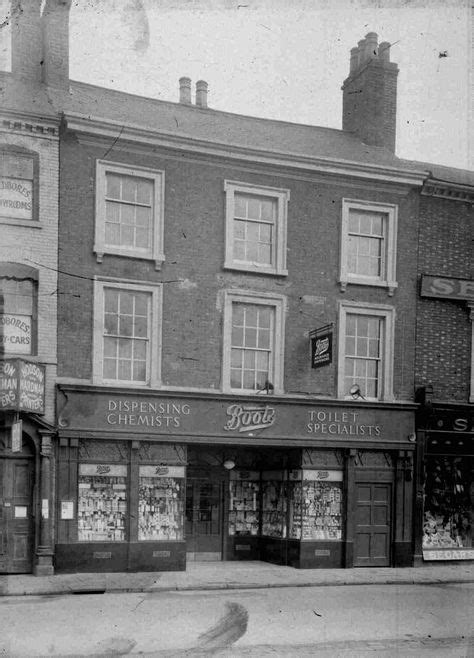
point(29, 147)
point(236, 328)
point(445, 368)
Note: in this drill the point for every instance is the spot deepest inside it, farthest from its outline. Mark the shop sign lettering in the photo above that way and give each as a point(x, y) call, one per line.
point(134, 413)
point(455, 554)
point(339, 423)
point(102, 469)
point(247, 418)
point(447, 288)
point(15, 333)
point(22, 386)
point(15, 198)
point(448, 423)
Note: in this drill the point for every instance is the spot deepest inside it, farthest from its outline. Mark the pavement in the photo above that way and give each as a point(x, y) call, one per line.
point(229, 575)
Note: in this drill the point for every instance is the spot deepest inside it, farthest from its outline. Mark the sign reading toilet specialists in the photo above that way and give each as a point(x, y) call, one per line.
point(22, 386)
point(16, 198)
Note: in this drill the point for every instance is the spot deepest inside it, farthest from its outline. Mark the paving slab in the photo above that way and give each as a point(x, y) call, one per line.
point(228, 575)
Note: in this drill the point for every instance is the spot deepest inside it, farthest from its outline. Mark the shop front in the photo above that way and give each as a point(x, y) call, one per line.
point(151, 482)
point(445, 487)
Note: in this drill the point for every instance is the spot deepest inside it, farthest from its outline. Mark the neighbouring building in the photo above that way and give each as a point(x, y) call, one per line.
point(445, 369)
point(29, 146)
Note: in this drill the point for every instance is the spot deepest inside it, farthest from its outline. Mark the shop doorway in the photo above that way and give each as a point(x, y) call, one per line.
point(16, 515)
point(204, 517)
point(373, 513)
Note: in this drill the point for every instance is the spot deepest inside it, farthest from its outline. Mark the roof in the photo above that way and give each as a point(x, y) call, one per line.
point(193, 122)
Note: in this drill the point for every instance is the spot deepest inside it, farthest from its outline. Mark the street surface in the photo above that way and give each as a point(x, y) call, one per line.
point(360, 620)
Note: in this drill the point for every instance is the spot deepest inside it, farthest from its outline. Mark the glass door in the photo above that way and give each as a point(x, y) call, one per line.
point(204, 518)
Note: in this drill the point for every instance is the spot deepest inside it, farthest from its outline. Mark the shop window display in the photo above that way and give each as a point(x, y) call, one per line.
point(316, 499)
point(448, 503)
point(244, 503)
point(274, 504)
point(102, 502)
point(161, 503)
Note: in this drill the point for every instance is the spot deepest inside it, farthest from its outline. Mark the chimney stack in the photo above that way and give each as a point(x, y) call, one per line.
point(201, 93)
point(185, 90)
point(27, 48)
point(370, 93)
point(55, 19)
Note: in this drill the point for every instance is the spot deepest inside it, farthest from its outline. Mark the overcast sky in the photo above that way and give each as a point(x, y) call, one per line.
point(286, 59)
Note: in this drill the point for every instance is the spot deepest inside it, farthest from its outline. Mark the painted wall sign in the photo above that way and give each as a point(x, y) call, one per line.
point(16, 197)
point(321, 347)
point(448, 420)
point(113, 470)
point(22, 386)
point(15, 333)
point(214, 418)
point(447, 287)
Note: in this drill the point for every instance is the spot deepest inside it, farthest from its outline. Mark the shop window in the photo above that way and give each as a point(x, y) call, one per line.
point(102, 502)
point(274, 504)
point(368, 244)
point(244, 503)
point(18, 182)
point(449, 502)
point(316, 505)
point(161, 503)
point(256, 219)
point(365, 351)
point(129, 212)
point(126, 337)
point(18, 309)
point(253, 342)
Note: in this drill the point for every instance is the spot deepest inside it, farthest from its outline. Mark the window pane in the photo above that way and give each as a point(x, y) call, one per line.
point(141, 327)
point(261, 378)
point(139, 371)
point(125, 348)
point(239, 250)
point(250, 337)
point(373, 347)
point(139, 349)
point(129, 188)
point(240, 209)
point(268, 207)
point(112, 211)
point(264, 255)
point(366, 224)
point(249, 359)
point(236, 358)
point(252, 252)
point(377, 224)
point(126, 302)
point(141, 238)
point(362, 347)
point(354, 225)
point(141, 303)
point(253, 208)
point(249, 379)
point(124, 369)
point(239, 229)
point(350, 345)
point(112, 233)
point(111, 324)
point(110, 369)
point(111, 300)
point(128, 236)
point(126, 325)
point(142, 216)
point(127, 215)
point(251, 312)
point(144, 191)
point(113, 186)
point(265, 232)
point(238, 311)
point(237, 336)
point(235, 378)
point(252, 231)
point(110, 347)
point(262, 361)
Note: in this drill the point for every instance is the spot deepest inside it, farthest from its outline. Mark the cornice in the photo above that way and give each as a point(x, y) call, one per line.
point(93, 128)
point(448, 190)
point(34, 125)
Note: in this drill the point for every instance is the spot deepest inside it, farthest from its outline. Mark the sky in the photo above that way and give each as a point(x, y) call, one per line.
point(287, 59)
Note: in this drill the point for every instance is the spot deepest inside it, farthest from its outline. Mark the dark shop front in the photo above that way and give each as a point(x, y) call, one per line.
point(151, 481)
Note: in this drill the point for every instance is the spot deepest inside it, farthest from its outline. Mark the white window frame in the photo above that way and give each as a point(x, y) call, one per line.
point(265, 299)
point(155, 323)
point(387, 313)
point(155, 252)
point(282, 197)
point(388, 278)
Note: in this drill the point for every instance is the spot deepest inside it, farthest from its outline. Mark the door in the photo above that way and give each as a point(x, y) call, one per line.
point(204, 512)
point(16, 515)
point(372, 524)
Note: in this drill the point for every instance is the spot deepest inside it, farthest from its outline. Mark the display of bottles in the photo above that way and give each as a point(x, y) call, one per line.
point(102, 508)
point(316, 510)
point(243, 507)
point(160, 508)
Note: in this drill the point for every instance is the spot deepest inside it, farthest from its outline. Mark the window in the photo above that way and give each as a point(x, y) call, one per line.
point(102, 502)
point(18, 176)
point(18, 300)
point(366, 350)
point(368, 244)
point(253, 342)
point(256, 228)
point(129, 212)
point(126, 336)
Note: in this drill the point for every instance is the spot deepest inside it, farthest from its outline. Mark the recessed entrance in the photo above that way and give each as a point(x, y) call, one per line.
point(204, 516)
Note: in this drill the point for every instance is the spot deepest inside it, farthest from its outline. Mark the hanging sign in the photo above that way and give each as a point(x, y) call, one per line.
point(22, 386)
point(447, 287)
point(321, 346)
point(16, 436)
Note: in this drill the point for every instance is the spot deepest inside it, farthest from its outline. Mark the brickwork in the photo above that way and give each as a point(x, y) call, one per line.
point(38, 247)
point(193, 277)
point(444, 328)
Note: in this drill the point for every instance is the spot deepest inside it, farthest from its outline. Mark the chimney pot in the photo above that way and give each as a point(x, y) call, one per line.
point(371, 46)
point(354, 59)
point(384, 51)
point(185, 90)
point(201, 93)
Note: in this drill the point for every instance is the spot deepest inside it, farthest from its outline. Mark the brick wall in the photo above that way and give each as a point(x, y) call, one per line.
point(37, 246)
point(444, 328)
point(193, 277)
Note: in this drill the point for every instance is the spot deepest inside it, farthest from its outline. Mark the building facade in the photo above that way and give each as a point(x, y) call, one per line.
point(29, 151)
point(445, 370)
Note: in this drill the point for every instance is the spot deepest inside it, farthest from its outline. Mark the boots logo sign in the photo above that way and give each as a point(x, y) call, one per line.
point(246, 418)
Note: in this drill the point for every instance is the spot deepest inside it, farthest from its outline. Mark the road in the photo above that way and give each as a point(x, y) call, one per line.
point(379, 620)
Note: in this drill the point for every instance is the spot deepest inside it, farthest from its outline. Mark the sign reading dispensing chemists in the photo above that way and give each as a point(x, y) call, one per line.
point(21, 386)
